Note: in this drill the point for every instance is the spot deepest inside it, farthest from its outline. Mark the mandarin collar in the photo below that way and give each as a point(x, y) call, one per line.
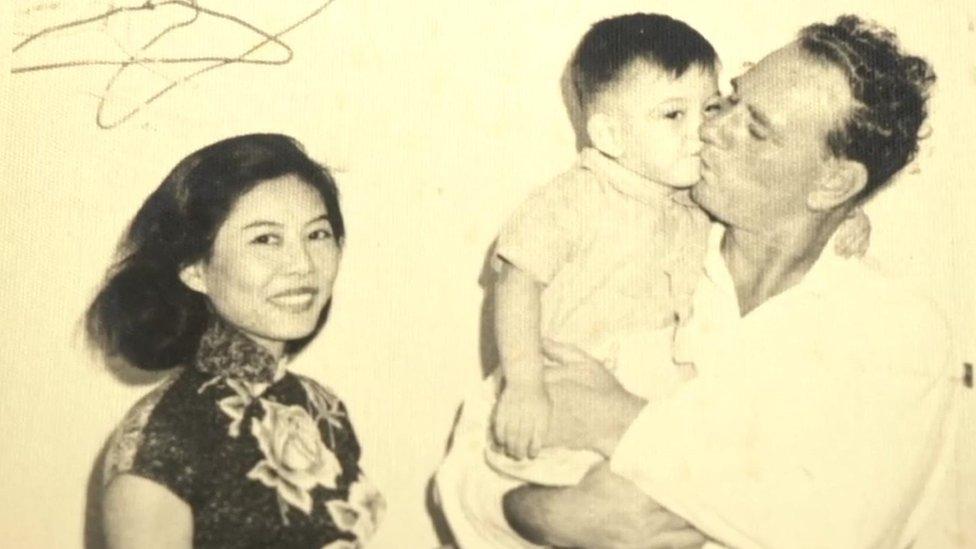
point(630, 183)
point(226, 352)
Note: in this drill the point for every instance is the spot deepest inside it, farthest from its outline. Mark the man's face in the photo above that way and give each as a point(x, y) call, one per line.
point(767, 148)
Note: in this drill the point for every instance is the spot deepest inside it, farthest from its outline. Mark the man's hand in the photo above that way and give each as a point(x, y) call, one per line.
point(637, 522)
point(590, 409)
point(577, 366)
point(604, 511)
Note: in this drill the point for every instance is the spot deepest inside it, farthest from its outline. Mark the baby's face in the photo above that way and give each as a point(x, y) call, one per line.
point(658, 118)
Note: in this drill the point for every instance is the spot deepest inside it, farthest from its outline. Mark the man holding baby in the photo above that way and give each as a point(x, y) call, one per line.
point(812, 401)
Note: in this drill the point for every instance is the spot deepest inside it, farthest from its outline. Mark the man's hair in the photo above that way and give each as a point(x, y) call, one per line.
point(612, 45)
point(889, 89)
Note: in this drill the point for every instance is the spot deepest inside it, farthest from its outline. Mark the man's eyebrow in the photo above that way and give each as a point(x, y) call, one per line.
point(754, 111)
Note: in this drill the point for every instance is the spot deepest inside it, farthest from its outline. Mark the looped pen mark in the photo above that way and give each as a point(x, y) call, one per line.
point(137, 58)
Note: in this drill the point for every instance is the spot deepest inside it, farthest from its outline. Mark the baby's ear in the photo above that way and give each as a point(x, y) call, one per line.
point(604, 134)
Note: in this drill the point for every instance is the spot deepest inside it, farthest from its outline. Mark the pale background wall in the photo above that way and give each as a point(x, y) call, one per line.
point(439, 116)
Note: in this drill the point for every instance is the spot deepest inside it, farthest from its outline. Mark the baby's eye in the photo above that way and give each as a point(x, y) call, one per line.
point(676, 114)
point(266, 239)
point(320, 234)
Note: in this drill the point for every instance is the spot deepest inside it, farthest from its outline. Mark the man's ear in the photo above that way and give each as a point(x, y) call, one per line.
point(192, 277)
point(604, 134)
point(844, 180)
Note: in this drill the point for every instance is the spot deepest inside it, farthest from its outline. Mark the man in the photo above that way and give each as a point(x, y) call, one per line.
point(821, 411)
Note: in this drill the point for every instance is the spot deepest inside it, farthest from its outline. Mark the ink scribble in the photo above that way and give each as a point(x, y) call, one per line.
point(158, 37)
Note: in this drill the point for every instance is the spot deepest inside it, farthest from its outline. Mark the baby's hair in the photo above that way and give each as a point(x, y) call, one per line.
point(613, 44)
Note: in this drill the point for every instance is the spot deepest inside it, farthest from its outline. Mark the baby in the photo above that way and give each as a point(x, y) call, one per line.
point(614, 245)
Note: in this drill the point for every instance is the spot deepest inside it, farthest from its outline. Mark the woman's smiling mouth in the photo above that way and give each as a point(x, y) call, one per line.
point(296, 299)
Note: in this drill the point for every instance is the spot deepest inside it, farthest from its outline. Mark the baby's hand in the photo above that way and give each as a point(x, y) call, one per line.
point(853, 235)
point(522, 419)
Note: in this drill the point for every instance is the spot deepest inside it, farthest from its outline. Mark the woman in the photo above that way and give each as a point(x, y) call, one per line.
point(227, 271)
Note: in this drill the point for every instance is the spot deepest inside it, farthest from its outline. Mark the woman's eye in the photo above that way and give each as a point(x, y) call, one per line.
point(272, 239)
point(320, 234)
point(674, 115)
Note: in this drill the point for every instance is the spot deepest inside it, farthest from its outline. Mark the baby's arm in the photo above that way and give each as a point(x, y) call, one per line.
point(522, 412)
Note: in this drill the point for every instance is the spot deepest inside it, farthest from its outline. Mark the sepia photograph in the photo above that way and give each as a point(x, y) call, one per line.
point(515, 274)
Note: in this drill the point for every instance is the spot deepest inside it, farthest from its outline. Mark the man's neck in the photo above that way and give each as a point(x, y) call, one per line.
point(764, 264)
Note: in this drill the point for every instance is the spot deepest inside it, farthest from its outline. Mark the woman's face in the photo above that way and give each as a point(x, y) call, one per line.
point(273, 263)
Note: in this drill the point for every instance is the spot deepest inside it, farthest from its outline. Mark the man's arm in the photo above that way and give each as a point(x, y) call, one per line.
point(768, 460)
point(603, 511)
point(590, 409)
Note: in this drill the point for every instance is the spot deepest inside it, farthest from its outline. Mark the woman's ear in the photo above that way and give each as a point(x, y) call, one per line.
point(192, 276)
point(844, 180)
point(604, 134)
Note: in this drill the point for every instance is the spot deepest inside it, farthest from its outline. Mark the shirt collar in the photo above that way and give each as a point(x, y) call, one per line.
point(822, 275)
point(630, 183)
point(225, 351)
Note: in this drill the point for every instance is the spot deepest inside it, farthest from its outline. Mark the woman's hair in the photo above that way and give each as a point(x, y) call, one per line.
point(144, 313)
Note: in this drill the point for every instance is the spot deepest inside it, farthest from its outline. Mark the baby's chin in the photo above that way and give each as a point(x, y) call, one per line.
point(687, 182)
point(682, 184)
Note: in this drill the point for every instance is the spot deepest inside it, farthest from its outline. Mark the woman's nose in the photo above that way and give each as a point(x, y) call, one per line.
point(300, 259)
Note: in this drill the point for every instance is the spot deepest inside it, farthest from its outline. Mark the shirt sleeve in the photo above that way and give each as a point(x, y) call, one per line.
point(149, 444)
point(800, 455)
point(545, 231)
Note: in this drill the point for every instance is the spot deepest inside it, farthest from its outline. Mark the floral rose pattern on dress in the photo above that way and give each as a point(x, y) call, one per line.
point(263, 457)
point(361, 513)
point(295, 458)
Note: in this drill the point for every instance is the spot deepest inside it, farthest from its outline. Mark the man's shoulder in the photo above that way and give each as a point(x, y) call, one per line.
point(885, 313)
point(869, 284)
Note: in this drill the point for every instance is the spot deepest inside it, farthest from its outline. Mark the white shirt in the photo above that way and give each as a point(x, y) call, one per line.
point(822, 418)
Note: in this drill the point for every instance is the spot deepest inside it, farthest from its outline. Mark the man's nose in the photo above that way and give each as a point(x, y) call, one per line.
point(709, 132)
